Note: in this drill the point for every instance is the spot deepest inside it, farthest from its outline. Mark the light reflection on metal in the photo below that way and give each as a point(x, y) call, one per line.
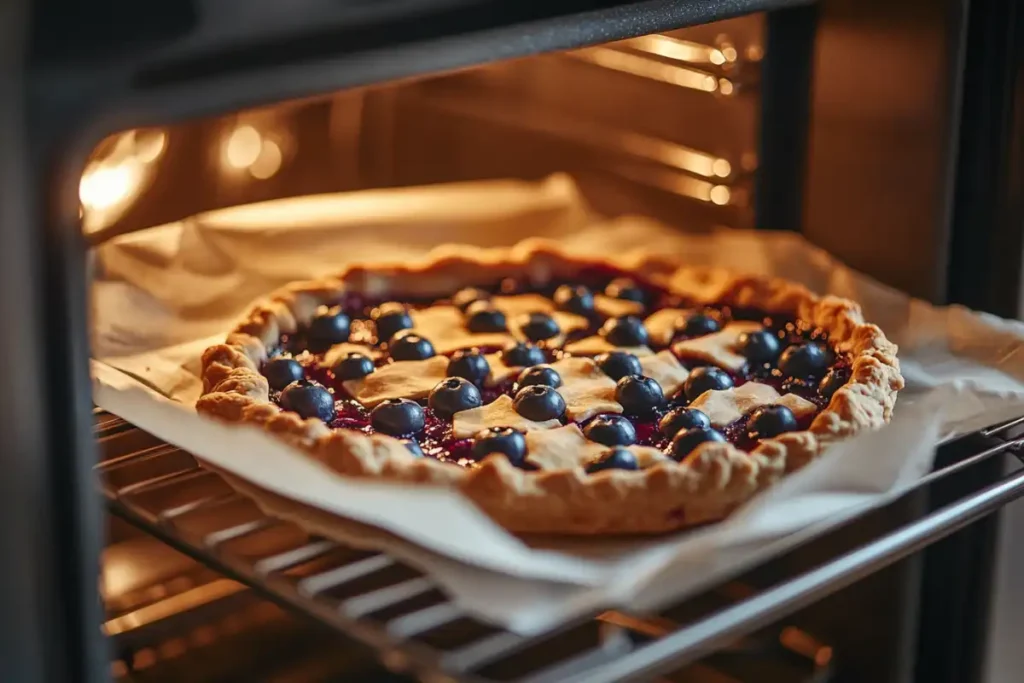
point(589, 134)
point(683, 50)
point(682, 185)
point(645, 67)
point(111, 183)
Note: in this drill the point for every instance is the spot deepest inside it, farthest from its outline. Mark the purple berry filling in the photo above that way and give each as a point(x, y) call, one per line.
point(436, 439)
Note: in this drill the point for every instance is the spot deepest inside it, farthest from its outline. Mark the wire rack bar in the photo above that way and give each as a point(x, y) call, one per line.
point(378, 600)
point(709, 635)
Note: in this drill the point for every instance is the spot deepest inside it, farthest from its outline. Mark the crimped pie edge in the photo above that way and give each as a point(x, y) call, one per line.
point(706, 486)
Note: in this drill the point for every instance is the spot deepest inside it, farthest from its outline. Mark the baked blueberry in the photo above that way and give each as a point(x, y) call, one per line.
point(618, 364)
point(680, 419)
point(464, 297)
point(328, 326)
point(804, 361)
point(539, 374)
point(452, 395)
point(482, 317)
point(539, 403)
point(685, 441)
point(613, 459)
point(398, 417)
point(505, 440)
point(354, 365)
point(768, 421)
point(522, 355)
point(390, 318)
point(574, 299)
point(698, 325)
point(706, 379)
point(469, 364)
point(309, 399)
point(833, 380)
point(639, 395)
point(413, 447)
point(407, 345)
point(538, 326)
point(624, 288)
point(627, 330)
point(759, 347)
point(280, 372)
point(611, 430)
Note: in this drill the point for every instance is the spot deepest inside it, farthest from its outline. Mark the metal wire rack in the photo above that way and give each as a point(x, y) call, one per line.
point(400, 613)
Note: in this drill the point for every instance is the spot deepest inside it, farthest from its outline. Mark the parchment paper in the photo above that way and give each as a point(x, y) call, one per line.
point(164, 295)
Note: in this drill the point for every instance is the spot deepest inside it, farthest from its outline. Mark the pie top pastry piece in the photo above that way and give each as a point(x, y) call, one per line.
point(561, 394)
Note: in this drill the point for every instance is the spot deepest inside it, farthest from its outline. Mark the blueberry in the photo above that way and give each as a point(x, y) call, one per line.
point(413, 447)
point(684, 442)
point(280, 372)
point(832, 382)
point(505, 440)
point(464, 297)
point(624, 288)
point(452, 395)
point(539, 374)
point(768, 421)
point(639, 395)
point(706, 379)
point(538, 326)
point(469, 364)
point(618, 364)
point(353, 366)
point(482, 317)
point(407, 345)
point(611, 430)
point(625, 331)
point(327, 328)
point(539, 403)
point(308, 399)
point(804, 361)
point(578, 299)
point(522, 355)
point(398, 417)
point(391, 318)
point(759, 346)
point(613, 459)
point(698, 324)
point(679, 419)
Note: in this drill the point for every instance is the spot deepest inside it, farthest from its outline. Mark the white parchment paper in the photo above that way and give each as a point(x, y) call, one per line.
point(163, 295)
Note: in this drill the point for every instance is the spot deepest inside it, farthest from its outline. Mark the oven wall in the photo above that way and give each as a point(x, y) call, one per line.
point(882, 138)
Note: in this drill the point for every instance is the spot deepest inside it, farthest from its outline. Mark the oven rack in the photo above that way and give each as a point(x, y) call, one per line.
point(380, 602)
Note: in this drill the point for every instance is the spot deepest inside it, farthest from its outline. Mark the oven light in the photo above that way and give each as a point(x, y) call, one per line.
point(648, 68)
point(268, 162)
point(247, 149)
point(242, 147)
point(110, 184)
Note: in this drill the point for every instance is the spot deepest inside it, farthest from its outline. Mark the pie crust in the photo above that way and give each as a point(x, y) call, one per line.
point(705, 486)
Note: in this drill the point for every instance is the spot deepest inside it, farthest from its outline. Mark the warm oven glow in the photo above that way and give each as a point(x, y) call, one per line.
point(114, 180)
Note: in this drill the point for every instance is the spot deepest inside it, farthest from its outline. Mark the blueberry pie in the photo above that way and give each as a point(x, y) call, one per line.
point(560, 394)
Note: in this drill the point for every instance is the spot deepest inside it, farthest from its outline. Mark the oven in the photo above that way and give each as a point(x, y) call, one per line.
point(886, 132)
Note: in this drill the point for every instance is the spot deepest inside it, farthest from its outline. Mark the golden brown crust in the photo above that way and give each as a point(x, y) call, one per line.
point(710, 483)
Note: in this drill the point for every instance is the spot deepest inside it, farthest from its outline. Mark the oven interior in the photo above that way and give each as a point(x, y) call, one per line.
point(835, 119)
